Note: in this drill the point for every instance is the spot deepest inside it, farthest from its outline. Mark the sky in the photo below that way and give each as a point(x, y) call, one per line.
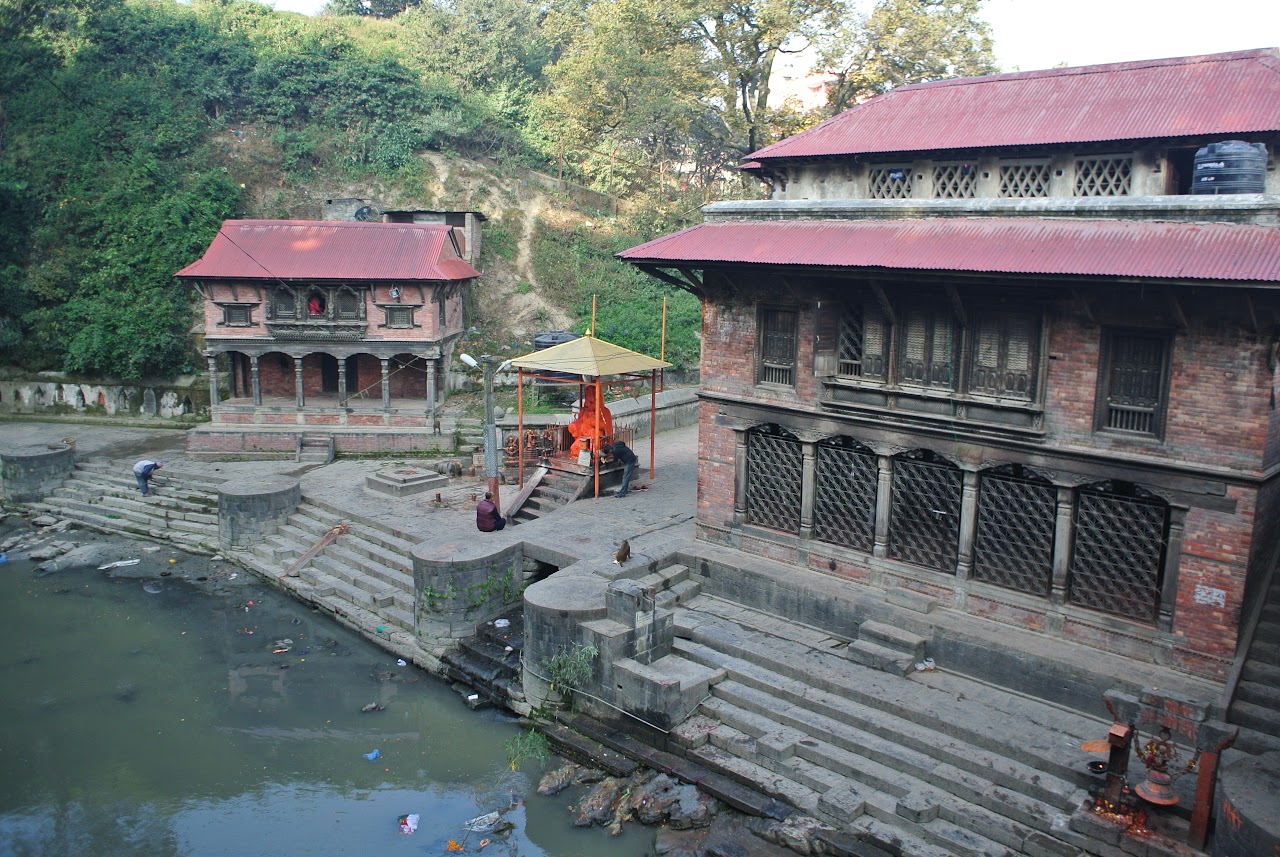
point(1034, 34)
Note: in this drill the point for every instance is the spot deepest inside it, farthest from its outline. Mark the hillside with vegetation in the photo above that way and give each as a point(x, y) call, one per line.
point(130, 129)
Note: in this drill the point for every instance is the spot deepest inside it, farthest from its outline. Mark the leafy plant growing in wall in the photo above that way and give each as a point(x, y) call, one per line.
point(569, 670)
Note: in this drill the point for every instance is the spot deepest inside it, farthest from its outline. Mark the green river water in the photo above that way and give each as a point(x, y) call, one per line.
point(149, 715)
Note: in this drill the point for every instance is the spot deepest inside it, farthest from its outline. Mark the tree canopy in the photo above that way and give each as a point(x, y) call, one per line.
point(130, 129)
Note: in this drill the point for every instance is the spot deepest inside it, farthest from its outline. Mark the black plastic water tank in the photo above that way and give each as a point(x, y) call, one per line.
point(1230, 167)
point(555, 337)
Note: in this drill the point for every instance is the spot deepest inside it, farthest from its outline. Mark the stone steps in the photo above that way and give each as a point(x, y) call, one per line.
point(1255, 707)
point(926, 765)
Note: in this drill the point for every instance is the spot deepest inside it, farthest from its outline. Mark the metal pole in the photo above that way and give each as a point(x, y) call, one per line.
point(490, 432)
point(653, 415)
point(520, 422)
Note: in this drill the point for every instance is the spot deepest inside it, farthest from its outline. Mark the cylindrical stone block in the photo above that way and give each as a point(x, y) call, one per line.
point(461, 584)
point(252, 509)
point(554, 609)
point(1248, 810)
point(31, 473)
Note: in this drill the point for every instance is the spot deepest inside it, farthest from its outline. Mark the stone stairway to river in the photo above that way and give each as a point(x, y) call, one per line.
point(921, 763)
point(101, 494)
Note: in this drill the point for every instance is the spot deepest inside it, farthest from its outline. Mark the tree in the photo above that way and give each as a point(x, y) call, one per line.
point(902, 42)
point(370, 8)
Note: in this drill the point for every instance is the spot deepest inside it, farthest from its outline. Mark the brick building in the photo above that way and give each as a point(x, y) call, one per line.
point(982, 342)
point(340, 327)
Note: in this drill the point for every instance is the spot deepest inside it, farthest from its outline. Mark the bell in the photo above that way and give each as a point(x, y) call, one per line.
point(1157, 789)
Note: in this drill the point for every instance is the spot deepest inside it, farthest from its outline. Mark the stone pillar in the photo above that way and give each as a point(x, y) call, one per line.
point(968, 525)
point(884, 503)
point(251, 510)
point(213, 381)
point(297, 383)
point(30, 474)
point(431, 387)
point(386, 383)
point(342, 382)
point(808, 487)
point(739, 475)
point(255, 380)
point(1172, 560)
point(1063, 536)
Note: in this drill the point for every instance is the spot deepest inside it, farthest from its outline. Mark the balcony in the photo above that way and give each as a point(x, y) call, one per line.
point(322, 329)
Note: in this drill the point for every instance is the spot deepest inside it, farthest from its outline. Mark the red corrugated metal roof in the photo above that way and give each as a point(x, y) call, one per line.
point(1108, 248)
point(331, 250)
point(1217, 94)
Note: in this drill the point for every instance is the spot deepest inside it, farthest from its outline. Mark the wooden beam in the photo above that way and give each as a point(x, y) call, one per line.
point(883, 300)
point(957, 306)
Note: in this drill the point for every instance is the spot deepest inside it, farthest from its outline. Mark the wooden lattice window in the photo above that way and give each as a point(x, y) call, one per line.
point(399, 316)
point(1026, 179)
point(1004, 355)
point(846, 475)
point(924, 515)
point(1120, 535)
point(1013, 542)
point(284, 305)
point(776, 359)
point(890, 182)
point(1134, 377)
point(349, 305)
point(955, 181)
point(863, 344)
point(237, 315)
point(1108, 176)
point(927, 351)
point(775, 471)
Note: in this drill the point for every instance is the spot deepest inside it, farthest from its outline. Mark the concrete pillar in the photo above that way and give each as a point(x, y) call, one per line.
point(884, 501)
point(1172, 560)
point(808, 487)
point(386, 383)
point(431, 387)
point(297, 383)
point(255, 380)
point(342, 382)
point(1063, 536)
point(213, 381)
point(968, 525)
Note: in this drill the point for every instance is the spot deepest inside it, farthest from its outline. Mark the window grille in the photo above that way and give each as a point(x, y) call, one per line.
point(349, 305)
point(890, 182)
point(777, 358)
point(927, 349)
point(955, 181)
point(399, 316)
point(284, 306)
point(237, 316)
point(1024, 180)
point(1103, 176)
point(1013, 543)
point(1118, 552)
point(775, 465)
point(861, 350)
point(1135, 381)
point(844, 507)
point(1004, 346)
point(924, 517)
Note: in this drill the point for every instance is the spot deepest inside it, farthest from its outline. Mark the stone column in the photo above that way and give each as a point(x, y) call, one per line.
point(255, 380)
point(739, 475)
point(297, 383)
point(342, 382)
point(213, 381)
point(1172, 561)
point(386, 383)
point(808, 486)
point(968, 525)
point(431, 388)
point(884, 503)
point(1063, 536)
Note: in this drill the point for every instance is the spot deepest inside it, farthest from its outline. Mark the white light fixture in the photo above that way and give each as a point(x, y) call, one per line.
point(505, 366)
point(469, 360)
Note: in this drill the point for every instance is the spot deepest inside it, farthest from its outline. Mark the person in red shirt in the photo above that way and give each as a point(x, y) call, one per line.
point(487, 518)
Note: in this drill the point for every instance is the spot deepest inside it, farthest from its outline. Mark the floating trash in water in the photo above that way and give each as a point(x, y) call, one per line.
point(118, 564)
point(373, 757)
point(4, 557)
point(409, 823)
point(152, 587)
point(401, 662)
point(373, 706)
point(482, 822)
point(502, 623)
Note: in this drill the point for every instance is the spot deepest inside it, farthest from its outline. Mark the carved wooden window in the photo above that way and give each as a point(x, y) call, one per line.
point(1133, 380)
point(1005, 346)
point(846, 475)
point(927, 351)
point(776, 358)
point(283, 305)
point(955, 181)
point(775, 468)
point(237, 315)
point(890, 182)
point(399, 316)
point(349, 305)
point(1013, 542)
point(1027, 179)
point(924, 516)
point(1107, 176)
point(863, 344)
point(1116, 560)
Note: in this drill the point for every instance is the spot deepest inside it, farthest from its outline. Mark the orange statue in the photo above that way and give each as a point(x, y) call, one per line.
point(585, 423)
